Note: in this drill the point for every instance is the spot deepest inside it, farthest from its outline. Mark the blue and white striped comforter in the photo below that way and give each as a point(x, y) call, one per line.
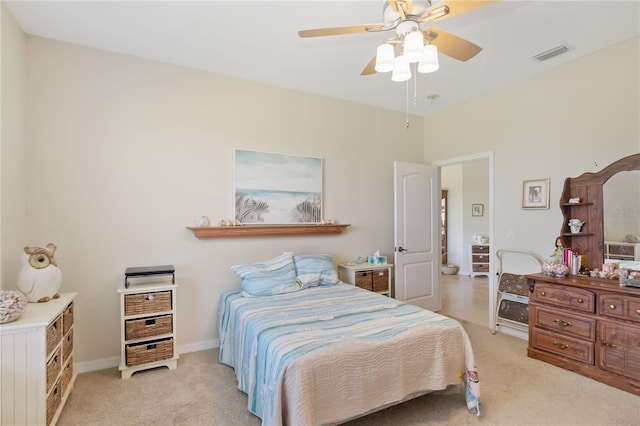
point(327, 354)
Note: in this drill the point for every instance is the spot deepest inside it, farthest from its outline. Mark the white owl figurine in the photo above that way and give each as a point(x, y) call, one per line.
point(39, 279)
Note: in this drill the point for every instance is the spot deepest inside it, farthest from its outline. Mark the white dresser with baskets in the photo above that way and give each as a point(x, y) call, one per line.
point(480, 260)
point(148, 327)
point(36, 353)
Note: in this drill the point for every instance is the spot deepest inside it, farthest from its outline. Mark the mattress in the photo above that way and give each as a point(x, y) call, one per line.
point(327, 354)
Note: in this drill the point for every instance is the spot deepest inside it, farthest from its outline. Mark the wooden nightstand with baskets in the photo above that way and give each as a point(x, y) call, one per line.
point(148, 326)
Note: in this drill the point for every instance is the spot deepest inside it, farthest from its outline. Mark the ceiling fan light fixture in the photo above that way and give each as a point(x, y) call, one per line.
point(385, 59)
point(430, 62)
point(401, 70)
point(413, 46)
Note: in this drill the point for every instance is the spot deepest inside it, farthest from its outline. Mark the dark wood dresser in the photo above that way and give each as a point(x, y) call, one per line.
point(587, 325)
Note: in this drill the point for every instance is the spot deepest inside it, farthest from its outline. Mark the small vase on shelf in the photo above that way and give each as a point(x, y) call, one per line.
point(575, 225)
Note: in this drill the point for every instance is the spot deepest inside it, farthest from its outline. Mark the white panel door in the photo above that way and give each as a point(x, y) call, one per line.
point(417, 234)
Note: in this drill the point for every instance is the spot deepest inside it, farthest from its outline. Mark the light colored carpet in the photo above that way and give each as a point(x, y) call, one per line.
point(516, 390)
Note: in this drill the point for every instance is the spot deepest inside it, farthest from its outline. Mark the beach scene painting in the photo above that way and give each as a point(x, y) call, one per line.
point(276, 188)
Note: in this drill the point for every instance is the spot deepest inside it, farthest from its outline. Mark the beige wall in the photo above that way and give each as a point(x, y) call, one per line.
point(13, 193)
point(124, 153)
point(557, 124)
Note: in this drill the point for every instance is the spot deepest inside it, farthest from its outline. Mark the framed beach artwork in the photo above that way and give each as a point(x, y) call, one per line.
point(276, 188)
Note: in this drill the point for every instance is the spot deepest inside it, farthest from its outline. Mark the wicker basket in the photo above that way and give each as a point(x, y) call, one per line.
point(147, 303)
point(67, 318)
point(53, 401)
point(148, 327)
point(54, 333)
point(67, 374)
point(450, 269)
point(53, 368)
point(67, 345)
point(156, 350)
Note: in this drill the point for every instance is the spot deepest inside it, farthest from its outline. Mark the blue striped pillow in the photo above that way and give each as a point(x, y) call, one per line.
point(315, 269)
point(275, 276)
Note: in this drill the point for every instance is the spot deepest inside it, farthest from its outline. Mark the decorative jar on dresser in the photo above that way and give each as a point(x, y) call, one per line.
point(587, 325)
point(148, 327)
point(37, 363)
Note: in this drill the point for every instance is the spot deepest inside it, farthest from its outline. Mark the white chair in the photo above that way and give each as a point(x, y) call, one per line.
point(512, 307)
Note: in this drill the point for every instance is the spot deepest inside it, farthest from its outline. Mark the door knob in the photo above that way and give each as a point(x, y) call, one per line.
point(400, 249)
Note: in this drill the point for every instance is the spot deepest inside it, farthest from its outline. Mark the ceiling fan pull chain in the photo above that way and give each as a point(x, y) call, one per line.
point(415, 86)
point(407, 122)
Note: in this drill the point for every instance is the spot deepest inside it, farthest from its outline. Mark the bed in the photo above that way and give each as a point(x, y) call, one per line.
point(326, 354)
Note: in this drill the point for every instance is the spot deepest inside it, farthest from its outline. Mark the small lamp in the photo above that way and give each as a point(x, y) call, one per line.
point(430, 61)
point(384, 58)
point(401, 70)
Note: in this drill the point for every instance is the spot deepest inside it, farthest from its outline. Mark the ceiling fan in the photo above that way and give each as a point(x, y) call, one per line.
point(406, 17)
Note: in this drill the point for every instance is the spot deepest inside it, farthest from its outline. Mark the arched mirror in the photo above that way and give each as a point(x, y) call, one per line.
point(608, 204)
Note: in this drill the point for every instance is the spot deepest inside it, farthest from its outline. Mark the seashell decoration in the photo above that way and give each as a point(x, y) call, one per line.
point(12, 305)
point(231, 222)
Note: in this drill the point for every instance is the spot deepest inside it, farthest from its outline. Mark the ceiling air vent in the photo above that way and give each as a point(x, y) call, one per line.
point(559, 50)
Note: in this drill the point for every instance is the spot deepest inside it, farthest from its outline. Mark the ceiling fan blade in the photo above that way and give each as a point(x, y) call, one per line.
point(370, 68)
point(450, 8)
point(320, 32)
point(451, 45)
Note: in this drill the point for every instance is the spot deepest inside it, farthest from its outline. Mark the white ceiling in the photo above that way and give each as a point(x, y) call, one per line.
point(258, 41)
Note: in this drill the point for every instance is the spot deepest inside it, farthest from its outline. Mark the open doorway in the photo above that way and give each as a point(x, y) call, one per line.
point(469, 185)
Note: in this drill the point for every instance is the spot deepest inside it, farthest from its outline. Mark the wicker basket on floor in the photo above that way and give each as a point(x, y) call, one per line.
point(449, 269)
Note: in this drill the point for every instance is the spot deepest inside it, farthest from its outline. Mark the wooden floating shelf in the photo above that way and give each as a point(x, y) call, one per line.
point(246, 231)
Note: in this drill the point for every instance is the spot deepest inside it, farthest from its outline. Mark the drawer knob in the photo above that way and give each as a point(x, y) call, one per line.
point(612, 307)
point(580, 300)
point(638, 311)
point(542, 293)
point(562, 322)
point(148, 297)
point(560, 345)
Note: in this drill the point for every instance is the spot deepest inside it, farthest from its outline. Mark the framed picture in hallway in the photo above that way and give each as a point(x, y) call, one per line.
point(535, 194)
point(477, 209)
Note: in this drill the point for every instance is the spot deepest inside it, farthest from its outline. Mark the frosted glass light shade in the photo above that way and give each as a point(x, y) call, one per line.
point(413, 46)
point(430, 61)
point(401, 70)
point(384, 58)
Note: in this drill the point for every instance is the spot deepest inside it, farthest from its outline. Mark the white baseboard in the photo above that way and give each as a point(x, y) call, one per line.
point(512, 331)
point(104, 363)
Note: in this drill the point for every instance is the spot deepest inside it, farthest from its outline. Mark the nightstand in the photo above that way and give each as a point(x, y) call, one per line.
point(372, 277)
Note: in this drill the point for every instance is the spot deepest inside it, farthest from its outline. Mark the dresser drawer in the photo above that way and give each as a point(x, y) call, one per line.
point(54, 333)
point(67, 345)
point(480, 249)
point(148, 327)
point(563, 322)
point(579, 350)
point(147, 303)
point(566, 297)
point(380, 280)
point(67, 318)
point(364, 279)
point(481, 258)
point(53, 401)
point(480, 268)
point(619, 306)
point(54, 365)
